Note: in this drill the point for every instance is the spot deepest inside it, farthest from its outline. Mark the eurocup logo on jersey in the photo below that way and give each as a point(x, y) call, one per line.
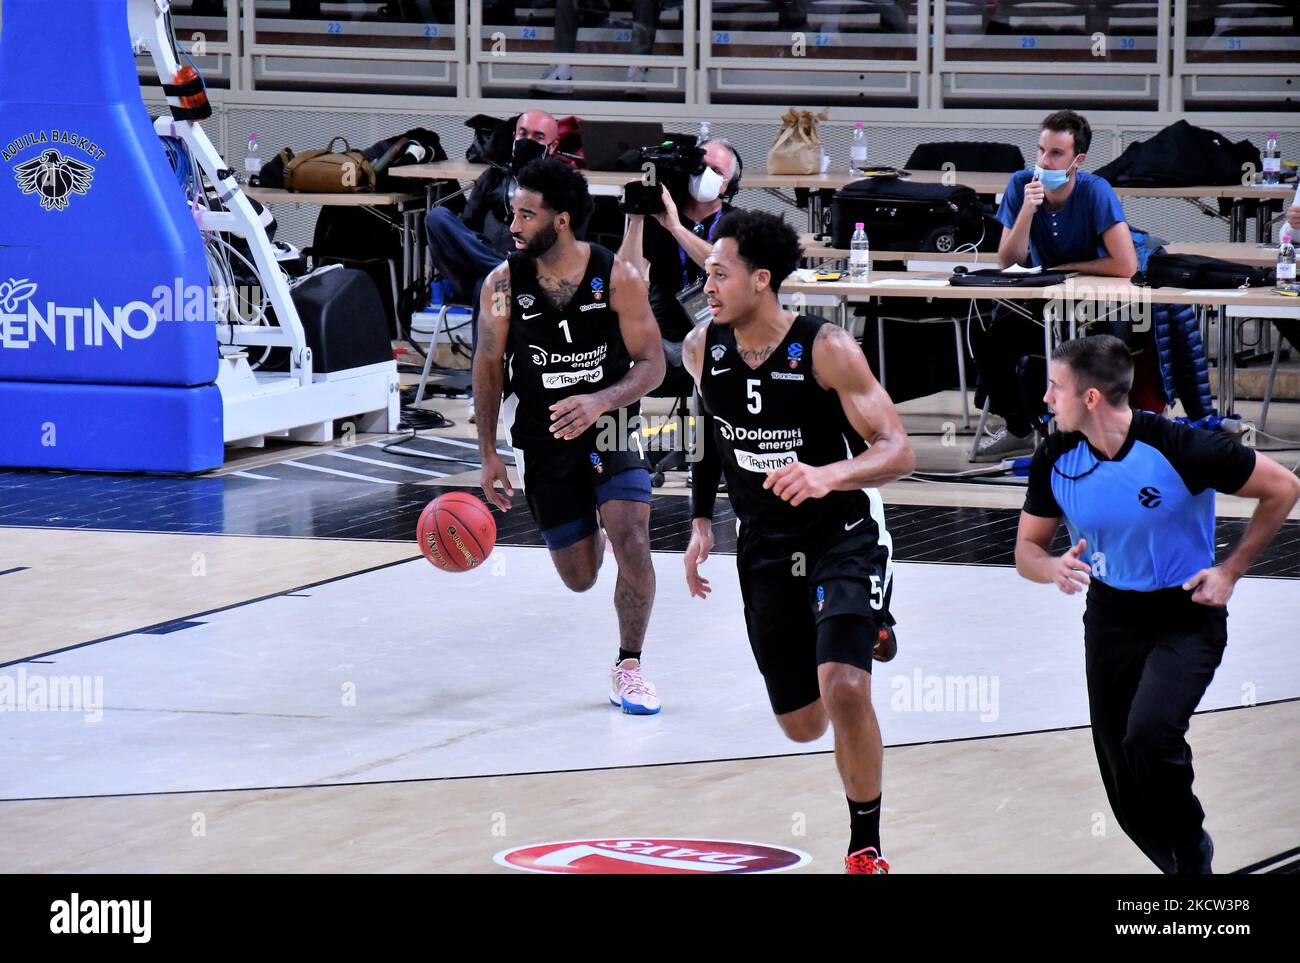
point(526, 301)
point(794, 353)
point(24, 323)
point(597, 288)
point(595, 463)
point(821, 597)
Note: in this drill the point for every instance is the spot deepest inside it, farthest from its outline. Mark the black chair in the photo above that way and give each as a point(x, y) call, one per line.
point(680, 385)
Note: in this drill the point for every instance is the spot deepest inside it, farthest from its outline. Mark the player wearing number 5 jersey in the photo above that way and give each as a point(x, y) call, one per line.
point(567, 335)
point(803, 432)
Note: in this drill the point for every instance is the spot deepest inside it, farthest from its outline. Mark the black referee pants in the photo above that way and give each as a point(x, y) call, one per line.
point(1150, 657)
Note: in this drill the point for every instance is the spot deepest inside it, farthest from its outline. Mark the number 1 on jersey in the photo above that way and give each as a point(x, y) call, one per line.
point(755, 399)
point(564, 326)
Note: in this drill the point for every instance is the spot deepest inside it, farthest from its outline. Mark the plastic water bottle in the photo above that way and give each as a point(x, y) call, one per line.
point(704, 132)
point(858, 150)
point(252, 162)
point(859, 254)
point(1286, 280)
point(1272, 159)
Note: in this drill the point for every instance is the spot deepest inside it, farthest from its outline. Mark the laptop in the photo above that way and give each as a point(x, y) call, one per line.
point(605, 141)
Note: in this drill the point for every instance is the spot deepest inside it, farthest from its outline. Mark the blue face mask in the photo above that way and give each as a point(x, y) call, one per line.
point(1052, 179)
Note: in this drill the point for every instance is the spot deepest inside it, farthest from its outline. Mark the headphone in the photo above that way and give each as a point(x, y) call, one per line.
point(733, 185)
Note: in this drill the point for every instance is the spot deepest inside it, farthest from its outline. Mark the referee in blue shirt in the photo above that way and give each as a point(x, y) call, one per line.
point(1137, 494)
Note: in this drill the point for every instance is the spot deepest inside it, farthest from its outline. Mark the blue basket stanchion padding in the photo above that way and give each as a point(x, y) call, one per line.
point(103, 279)
point(101, 237)
point(109, 427)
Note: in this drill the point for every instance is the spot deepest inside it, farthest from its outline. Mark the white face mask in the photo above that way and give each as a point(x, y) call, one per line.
point(706, 186)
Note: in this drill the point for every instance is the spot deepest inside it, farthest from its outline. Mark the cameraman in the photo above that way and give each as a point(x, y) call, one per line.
point(675, 242)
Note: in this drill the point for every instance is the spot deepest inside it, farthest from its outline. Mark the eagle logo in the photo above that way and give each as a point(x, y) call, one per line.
point(718, 351)
point(54, 178)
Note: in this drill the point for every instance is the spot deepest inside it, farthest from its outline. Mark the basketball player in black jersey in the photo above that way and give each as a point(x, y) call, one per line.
point(566, 333)
point(794, 407)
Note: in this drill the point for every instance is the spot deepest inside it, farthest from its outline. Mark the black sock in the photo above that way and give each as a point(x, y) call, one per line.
point(625, 654)
point(864, 825)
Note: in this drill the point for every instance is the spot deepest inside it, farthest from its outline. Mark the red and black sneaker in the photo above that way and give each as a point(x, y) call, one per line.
point(886, 644)
point(866, 861)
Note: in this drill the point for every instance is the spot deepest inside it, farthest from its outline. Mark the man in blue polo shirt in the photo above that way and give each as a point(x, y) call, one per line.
point(1137, 494)
point(1057, 217)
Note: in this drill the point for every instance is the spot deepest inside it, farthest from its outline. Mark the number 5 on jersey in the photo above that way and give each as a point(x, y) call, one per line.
point(755, 399)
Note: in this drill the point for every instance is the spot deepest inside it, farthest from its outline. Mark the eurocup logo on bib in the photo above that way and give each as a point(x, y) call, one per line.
point(597, 288)
point(794, 353)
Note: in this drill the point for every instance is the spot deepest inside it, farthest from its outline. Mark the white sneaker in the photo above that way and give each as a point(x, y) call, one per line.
point(554, 81)
point(630, 690)
point(470, 400)
point(1003, 444)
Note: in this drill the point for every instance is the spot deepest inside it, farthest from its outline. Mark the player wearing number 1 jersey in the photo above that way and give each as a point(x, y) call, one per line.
point(802, 429)
point(567, 335)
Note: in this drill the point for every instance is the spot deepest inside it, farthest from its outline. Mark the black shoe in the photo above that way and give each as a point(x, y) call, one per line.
point(1198, 863)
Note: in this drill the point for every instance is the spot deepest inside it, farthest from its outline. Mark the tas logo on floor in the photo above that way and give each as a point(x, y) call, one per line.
point(55, 178)
point(650, 855)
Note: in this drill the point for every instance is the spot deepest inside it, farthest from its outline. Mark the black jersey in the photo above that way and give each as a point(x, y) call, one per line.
point(554, 352)
point(775, 414)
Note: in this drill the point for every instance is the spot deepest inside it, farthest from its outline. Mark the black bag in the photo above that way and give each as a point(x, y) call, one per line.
point(967, 156)
point(1200, 272)
point(1182, 156)
point(493, 139)
point(902, 216)
point(995, 278)
point(343, 320)
point(416, 146)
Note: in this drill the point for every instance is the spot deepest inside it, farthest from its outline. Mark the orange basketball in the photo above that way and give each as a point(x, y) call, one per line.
point(456, 532)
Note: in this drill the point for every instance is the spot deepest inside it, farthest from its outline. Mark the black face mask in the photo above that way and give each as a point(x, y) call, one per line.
point(525, 150)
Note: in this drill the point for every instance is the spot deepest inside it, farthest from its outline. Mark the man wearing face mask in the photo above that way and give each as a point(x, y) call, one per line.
point(675, 242)
point(465, 248)
point(1060, 218)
